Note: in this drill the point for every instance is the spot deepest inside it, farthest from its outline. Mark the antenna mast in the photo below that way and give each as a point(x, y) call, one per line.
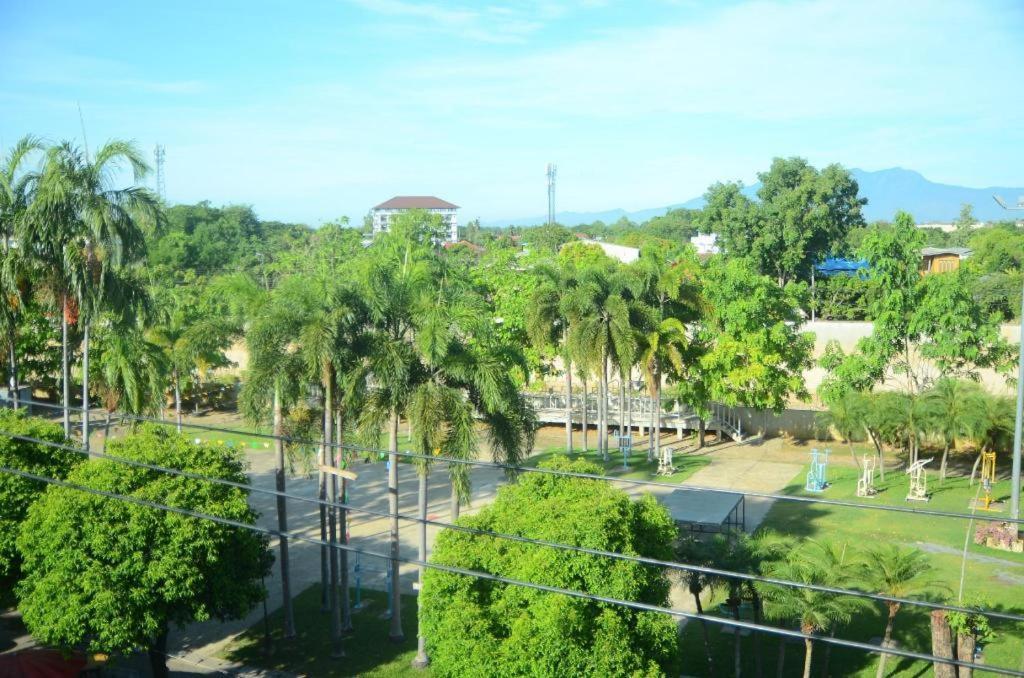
point(552, 172)
point(161, 188)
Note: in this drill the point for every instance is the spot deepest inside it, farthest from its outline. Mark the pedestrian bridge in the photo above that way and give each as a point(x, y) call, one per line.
point(637, 410)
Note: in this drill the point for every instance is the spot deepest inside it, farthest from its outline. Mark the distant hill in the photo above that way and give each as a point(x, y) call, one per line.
point(887, 191)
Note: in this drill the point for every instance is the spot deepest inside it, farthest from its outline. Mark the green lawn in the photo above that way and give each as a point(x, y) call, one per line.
point(639, 467)
point(368, 650)
point(997, 579)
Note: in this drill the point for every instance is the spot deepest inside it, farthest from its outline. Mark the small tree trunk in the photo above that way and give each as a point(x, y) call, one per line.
point(568, 402)
point(942, 645)
point(942, 465)
point(158, 655)
point(346, 607)
point(421, 660)
point(602, 411)
point(853, 455)
point(704, 631)
point(893, 609)
point(12, 359)
point(395, 630)
point(85, 385)
point(653, 443)
point(177, 398)
point(965, 643)
point(586, 429)
point(65, 368)
point(974, 468)
point(106, 430)
point(701, 430)
point(808, 652)
point(282, 518)
point(622, 403)
point(454, 504)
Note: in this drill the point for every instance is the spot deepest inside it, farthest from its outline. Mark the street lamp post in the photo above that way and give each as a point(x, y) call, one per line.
point(1015, 475)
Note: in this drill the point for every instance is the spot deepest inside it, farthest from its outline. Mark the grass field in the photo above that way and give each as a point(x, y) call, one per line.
point(639, 467)
point(994, 577)
point(368, 651)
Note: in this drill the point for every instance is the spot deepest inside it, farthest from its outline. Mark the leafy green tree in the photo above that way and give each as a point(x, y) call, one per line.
point(664, 349)
point(547, 239)
point(964, 223)
point(924, 326)
point(479, 627)
point(802, 215)
point(130, 372)
point(113, 576)
point(898, 573)
point(17, 493)
point(755, 354)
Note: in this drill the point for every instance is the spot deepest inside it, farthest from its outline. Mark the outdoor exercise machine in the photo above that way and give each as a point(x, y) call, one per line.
point(626, 448)
point(988, 479)
point(866, 483)
point(918, 481)
point(817, 476)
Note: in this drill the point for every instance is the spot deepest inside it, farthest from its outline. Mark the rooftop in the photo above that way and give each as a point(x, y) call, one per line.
point(415, 202)
point(962, 252)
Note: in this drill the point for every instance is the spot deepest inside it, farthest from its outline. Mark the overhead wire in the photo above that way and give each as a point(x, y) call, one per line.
point(514, 468)
point(655, 562)
point(644, 607)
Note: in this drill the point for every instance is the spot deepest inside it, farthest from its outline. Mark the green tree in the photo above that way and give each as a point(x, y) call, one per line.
point(847, 416)
point(17, 493)
point(129, 371)
point(964, 223)
point(755, 354)
point(113, 576)
point(948, 408)
point(664, 352)
point(898, 573)
point(803, 215)
point(477, 627)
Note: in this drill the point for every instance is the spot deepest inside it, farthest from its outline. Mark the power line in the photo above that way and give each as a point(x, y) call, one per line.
point(527, 540)
point(529, 469)
point(645, 607)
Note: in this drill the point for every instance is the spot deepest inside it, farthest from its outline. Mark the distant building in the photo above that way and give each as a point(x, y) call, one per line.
point(626, 255)
point(388, 210)
point(706, 244)
point(942, 259)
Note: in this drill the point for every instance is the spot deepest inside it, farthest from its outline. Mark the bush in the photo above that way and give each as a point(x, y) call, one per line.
point(476, 627)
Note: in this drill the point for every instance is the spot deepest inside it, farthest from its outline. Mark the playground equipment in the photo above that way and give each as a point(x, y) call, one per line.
point(988, 479)
point(866, 483)
point(626, 447)
point(918, 481)
point(817, 477)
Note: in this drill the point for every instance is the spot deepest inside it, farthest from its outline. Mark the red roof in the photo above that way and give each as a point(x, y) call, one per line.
point(415, 202)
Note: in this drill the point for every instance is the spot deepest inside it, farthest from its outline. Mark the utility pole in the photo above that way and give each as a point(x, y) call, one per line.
point(552, 171)
point(1015, 475)
point(158, 155)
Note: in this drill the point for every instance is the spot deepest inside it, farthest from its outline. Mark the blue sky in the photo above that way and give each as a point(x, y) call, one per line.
point(311, 110)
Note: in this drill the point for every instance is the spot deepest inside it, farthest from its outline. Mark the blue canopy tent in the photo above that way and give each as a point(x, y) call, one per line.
point(837, 266)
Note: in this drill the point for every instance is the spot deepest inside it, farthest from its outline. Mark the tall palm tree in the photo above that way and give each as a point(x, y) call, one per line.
point(16, 189)
point(696, 552)
point(664, 348)
point(272, 381)
point(129, 371)
point(948, 408)
point(897, 572)
point(599, 326)
point(78, 227)
point(547, 324)
point(193, 341)
point(813, 610)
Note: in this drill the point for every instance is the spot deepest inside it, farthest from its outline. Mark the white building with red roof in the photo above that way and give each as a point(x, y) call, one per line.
point(389, 209)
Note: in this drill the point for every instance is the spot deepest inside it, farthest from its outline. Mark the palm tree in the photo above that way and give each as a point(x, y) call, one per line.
point(989, 424)
point(599, 326)
point(948, 408)
point(192, 341)
point(547, 324)
point(899, 573)
point(16, 188)
point(78, 228)
point(696, 552)
point(846, 415)
point(664, 348)
point(129, 370)
point(814, 611)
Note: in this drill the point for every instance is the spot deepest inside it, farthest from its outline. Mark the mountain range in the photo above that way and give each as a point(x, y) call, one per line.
point(887, 191)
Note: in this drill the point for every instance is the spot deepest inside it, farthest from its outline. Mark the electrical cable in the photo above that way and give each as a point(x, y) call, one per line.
point(529, 540)
point(644, 607)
